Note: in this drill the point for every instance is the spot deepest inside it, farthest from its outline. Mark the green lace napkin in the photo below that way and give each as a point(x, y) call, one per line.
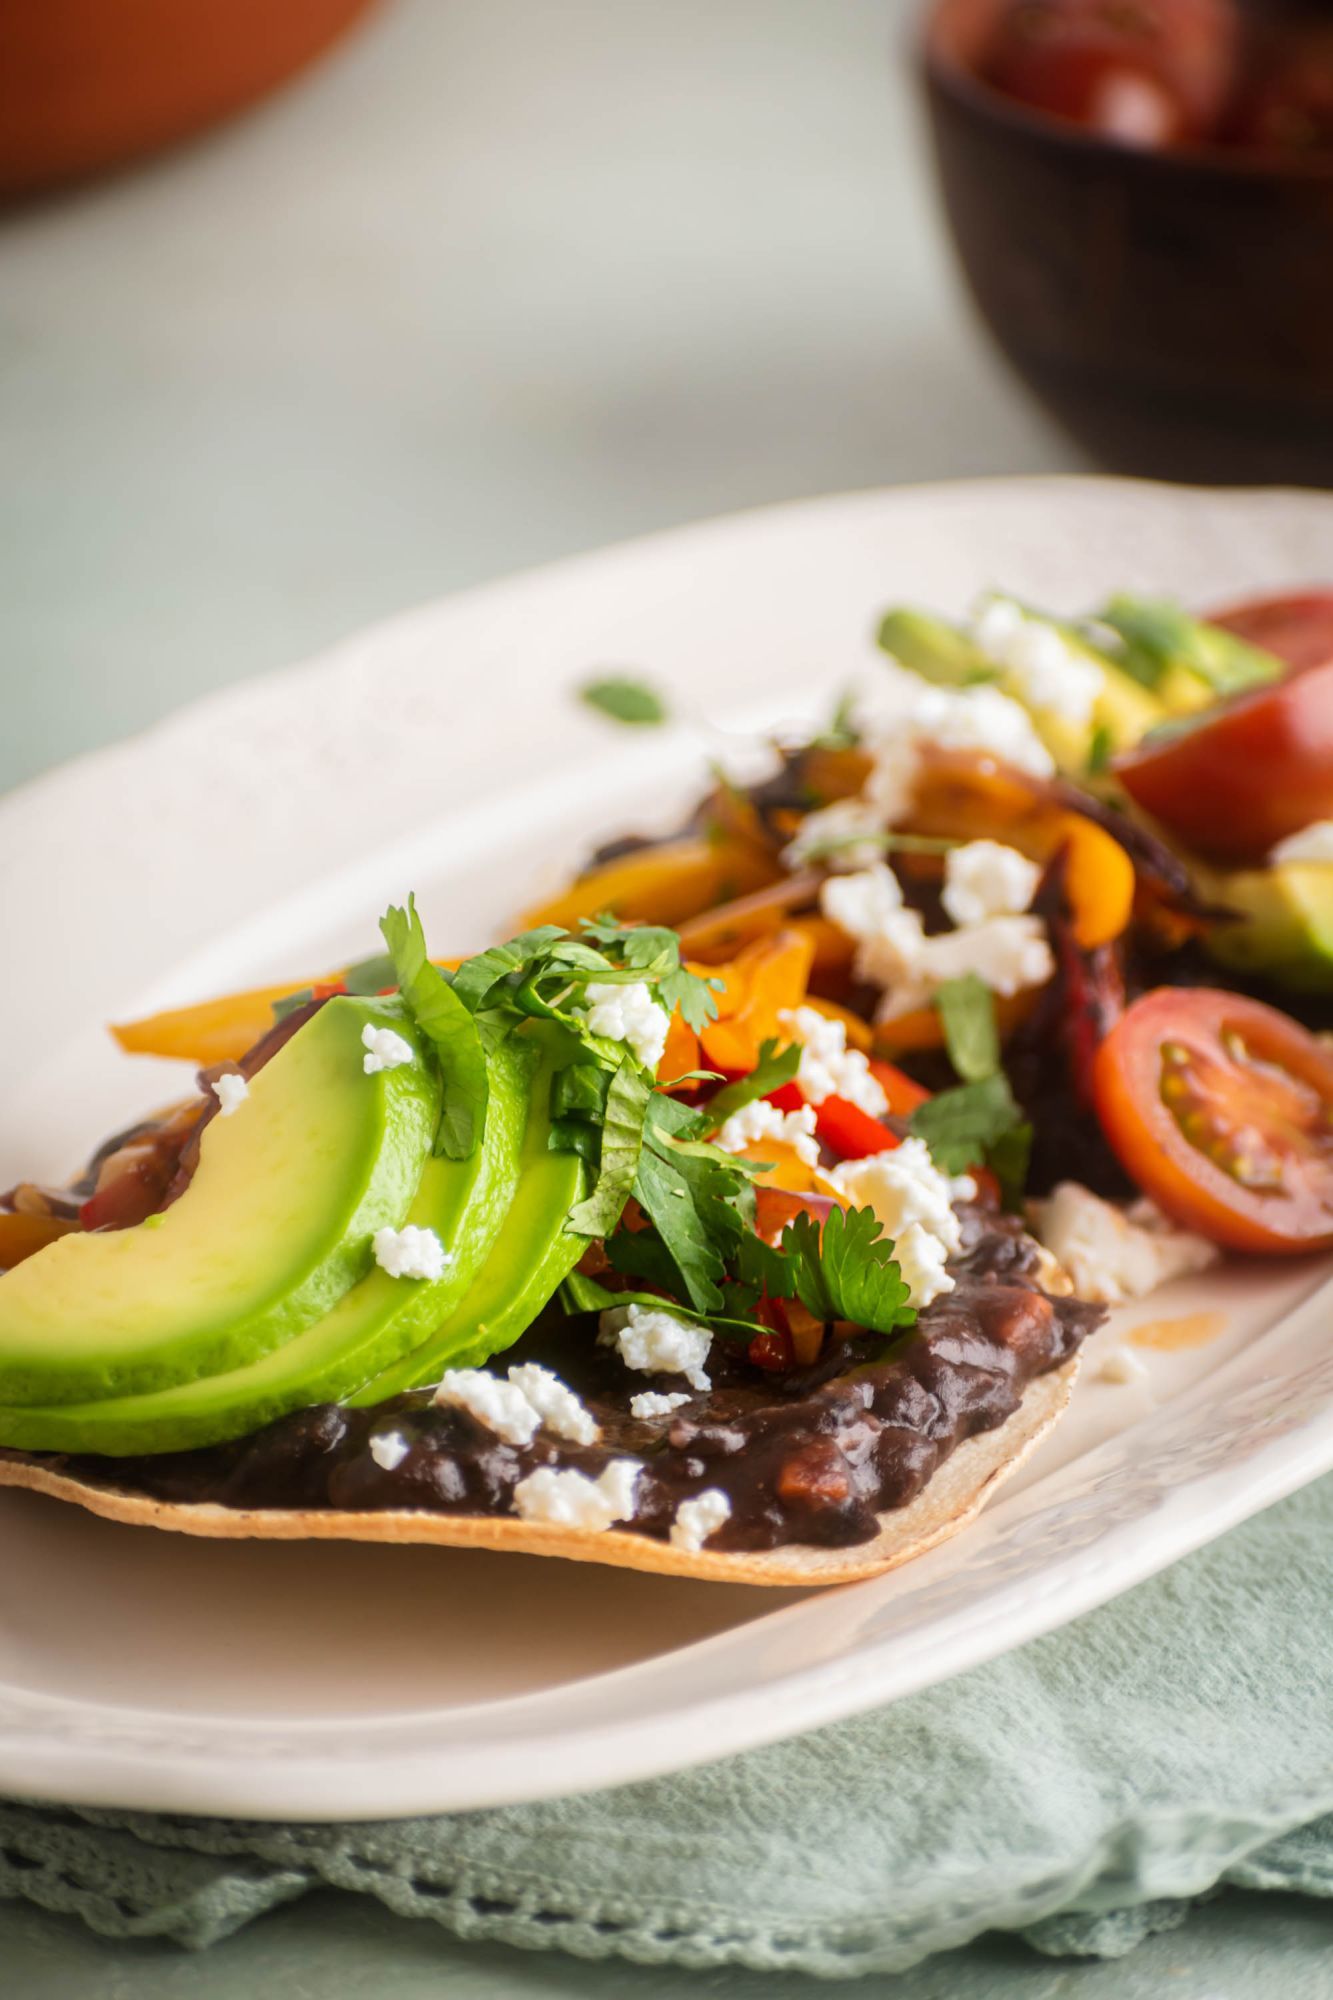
point(1082, 1791)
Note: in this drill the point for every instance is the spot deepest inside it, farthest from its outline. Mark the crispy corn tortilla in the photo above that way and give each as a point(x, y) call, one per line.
point(955, 1495)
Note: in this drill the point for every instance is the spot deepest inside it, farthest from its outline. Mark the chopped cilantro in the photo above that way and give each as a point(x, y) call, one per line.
point(847, 1271)
point(618, 1162)
point(775, 1067)
point(370, 975)
point(960, 1125)
point(1100, 746)
point(841, 731)
point(449, 1027)
point(627, 701)
point(966, 1008)
point(291, 1001)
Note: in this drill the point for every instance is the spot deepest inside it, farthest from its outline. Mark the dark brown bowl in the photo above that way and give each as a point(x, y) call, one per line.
point(1173, 310)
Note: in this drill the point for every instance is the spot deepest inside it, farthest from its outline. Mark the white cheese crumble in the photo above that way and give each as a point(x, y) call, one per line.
point(231, 1091)
point(846, 835)
point(987, 879)
point(893, 952)
point(388, 1450)
point(501, 1406)
point(759, 1120)
point(629, 1014)
point(697, 1519)
point(1050, 673)
point(828, 1067)
point(385, 1049)
point(913, 1202)
point(653, 1404)
point(918, 717)
point(658, 1343)
point(1312, 843)
point(1123, 1367)
point(571, 1499)
point(921, 1260)
point(1111, 1254)
point(410, 1252)
point(555, 1403)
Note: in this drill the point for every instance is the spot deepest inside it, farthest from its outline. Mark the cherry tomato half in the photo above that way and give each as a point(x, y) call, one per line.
point(1222, 1110)
point(1147, 72)
point(1246, 773)
point(1297, 627)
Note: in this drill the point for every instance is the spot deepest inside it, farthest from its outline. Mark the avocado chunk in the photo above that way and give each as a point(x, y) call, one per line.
point(463, 1201)
point(533, 1255)
point(1121, 712)
point(1283, 927)
point(274, 1228)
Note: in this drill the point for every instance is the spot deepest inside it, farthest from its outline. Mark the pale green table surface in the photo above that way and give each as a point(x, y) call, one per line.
point(503, 280)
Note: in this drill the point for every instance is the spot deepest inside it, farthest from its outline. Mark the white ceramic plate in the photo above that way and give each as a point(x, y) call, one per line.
point(259, 834)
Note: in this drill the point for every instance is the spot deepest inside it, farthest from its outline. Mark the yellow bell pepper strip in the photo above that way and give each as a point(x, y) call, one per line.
point(221, 1030)
point(660, 885)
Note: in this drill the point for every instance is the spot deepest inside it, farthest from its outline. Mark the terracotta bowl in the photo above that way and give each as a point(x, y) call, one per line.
point(86, 85)
point(1173, 310)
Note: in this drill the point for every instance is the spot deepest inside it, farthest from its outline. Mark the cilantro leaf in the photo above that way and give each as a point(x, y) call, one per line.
point(448, 1027)
point(1008, 1158)
point(669, 1190)
point(775, 1067)
point(627, 701)
point(477, 977)
point(1101, 745)
point(581, 1294)
point(370, 975)
point(847, 1271)
point(960, 1125)
point(966, 1008)
point(291, 1001)
point(622, 1143)
point(654, 948)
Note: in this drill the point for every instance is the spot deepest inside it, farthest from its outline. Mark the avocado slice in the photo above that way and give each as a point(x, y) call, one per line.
point(1284, 923)
point(274, 1228)
point(533, 1254)
point(1188, 663)
point(1122, 713)
point(463, 1201)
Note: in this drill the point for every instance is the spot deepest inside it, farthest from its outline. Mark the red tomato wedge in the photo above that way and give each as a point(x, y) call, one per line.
point(1298, 628)
point(1246, 773)
point(1222, 1110)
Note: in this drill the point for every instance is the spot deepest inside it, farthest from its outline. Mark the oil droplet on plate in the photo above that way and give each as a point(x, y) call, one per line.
point(1169, 1336)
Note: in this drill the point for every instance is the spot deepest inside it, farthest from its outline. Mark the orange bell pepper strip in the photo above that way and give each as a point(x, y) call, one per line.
point(22, 1235)
point(766, 980)
point(903, 1091)
point(964, 797)
point(681, 1054)
point(717, 933)
point(660, 885)
point(221, 1030)
point(209, 1032)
